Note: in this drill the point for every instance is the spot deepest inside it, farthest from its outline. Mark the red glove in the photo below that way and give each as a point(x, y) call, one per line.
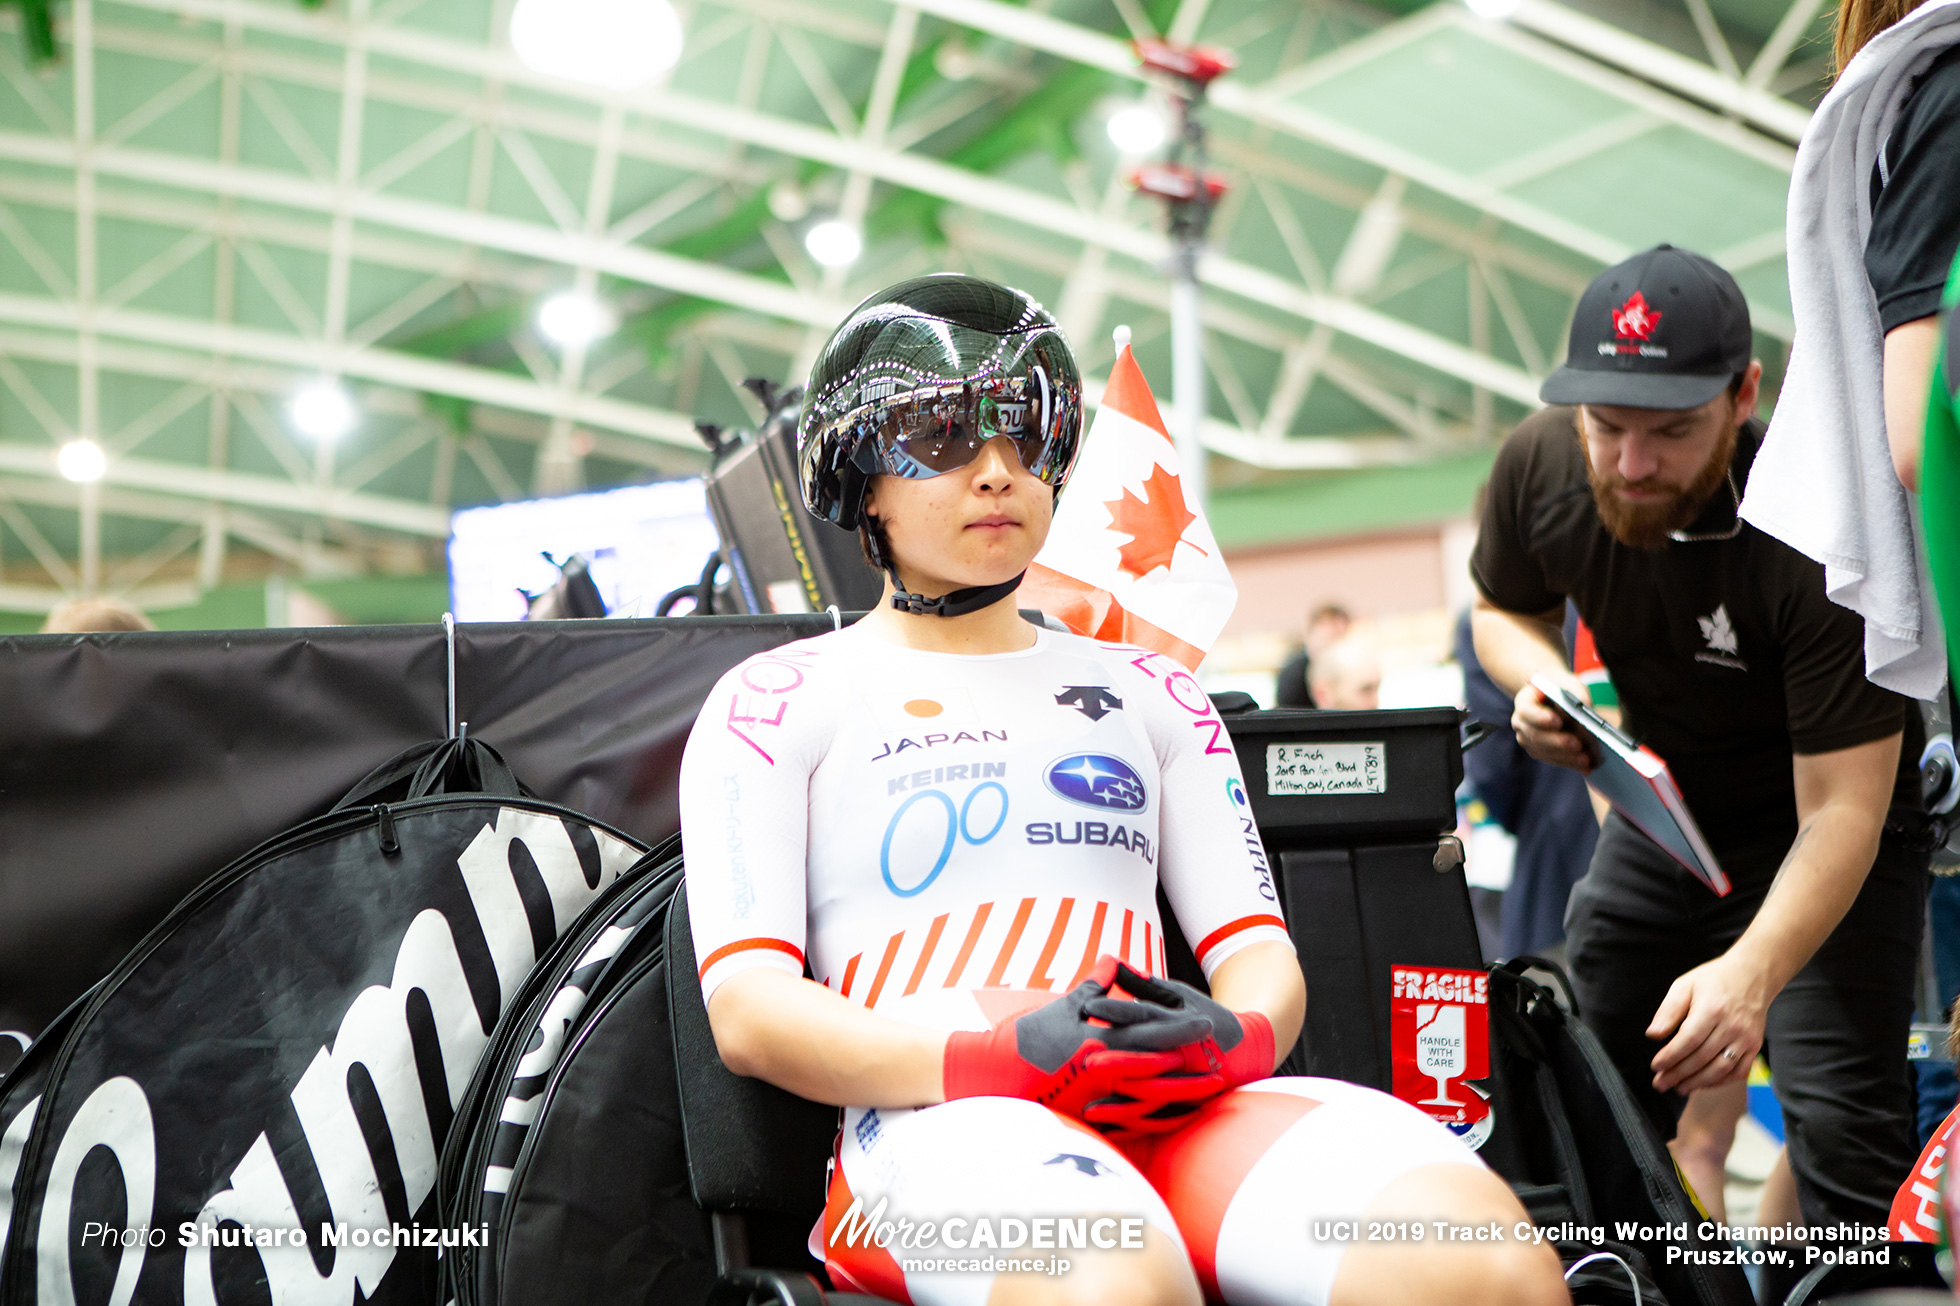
point(1238, 1049)
point(1073, 1050)
point(1155, 1104)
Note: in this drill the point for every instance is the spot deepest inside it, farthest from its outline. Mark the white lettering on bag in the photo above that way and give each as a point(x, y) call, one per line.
point(115, 1116)
point(12, 1144)
point(373, 1033)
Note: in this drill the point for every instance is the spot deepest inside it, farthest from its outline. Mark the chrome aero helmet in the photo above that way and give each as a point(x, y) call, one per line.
point(917, 379)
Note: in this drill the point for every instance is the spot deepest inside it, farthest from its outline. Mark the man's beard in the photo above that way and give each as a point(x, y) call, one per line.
point(1646, 525)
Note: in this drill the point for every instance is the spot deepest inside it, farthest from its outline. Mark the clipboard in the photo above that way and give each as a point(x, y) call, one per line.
point(1638, 784)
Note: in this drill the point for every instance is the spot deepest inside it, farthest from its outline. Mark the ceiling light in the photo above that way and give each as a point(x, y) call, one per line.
point(82, 460)
point(323, 410)
point(954, 61)
point(572, 319)
point(619, 44)
point(787, 202)
point(834, 243)
point(1137, 129)
point(1493, 8)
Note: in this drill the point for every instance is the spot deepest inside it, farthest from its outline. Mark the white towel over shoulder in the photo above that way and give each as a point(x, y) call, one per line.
point(1824, 483)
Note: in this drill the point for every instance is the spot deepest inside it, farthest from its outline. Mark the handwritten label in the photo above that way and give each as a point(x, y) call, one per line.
point(1326, 769)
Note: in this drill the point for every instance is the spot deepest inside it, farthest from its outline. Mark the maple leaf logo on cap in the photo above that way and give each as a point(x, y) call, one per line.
point(1636, 319)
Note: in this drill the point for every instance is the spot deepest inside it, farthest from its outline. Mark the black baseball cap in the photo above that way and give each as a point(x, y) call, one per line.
point(1665, 329)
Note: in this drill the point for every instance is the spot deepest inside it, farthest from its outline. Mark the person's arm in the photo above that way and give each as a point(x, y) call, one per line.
point(1720, 1006)
point(744, 803)
point(1513, 647)
point(1265, 978)
point(1909, 350)
point(1211, 863)
point(803, 1037)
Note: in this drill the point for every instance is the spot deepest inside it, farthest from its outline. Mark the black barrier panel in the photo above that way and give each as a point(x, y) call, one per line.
point(594, 714)
point(132, 766)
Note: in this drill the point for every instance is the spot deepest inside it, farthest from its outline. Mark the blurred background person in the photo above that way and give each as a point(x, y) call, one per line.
point(1546, 808)
point(1326, 624)
point(79, 616)
point(1346, 674)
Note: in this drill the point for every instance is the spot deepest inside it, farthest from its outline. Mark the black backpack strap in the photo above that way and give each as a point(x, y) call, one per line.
point(389, 775)
point(440, 766)
point(466, 766)
point(1520, 964)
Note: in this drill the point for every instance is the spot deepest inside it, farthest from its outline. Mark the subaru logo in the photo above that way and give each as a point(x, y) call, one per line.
point(1098, 780)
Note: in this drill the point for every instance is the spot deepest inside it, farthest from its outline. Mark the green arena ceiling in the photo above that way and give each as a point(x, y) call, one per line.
point(204, 204)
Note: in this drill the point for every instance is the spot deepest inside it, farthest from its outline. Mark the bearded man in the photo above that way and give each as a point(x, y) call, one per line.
point(1733, 665)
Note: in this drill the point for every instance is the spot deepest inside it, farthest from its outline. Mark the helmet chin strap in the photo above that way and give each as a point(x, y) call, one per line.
point(956, 604)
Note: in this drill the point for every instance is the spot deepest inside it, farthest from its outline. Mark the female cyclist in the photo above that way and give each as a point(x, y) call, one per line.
point(919, 848)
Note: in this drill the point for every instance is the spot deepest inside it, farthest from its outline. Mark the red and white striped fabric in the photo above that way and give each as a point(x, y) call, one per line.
point(1129, 559)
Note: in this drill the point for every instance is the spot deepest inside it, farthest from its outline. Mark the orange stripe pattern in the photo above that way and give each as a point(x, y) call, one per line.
point(1023, 955)
point(1227, 930)
point(744, 945)
point(1013, 938)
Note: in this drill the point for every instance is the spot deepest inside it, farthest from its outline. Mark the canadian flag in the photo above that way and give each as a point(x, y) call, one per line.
point(1127, 559)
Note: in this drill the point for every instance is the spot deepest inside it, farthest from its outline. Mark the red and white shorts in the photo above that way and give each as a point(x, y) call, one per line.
point(1241, 1188)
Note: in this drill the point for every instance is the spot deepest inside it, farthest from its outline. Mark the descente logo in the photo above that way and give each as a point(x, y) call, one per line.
point(375, 1033)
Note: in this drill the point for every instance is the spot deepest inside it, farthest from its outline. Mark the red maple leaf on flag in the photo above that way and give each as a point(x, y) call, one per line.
point(1154, 523)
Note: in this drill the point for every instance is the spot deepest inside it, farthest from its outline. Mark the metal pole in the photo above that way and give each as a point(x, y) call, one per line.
point(449, 641)
point(1188, 375)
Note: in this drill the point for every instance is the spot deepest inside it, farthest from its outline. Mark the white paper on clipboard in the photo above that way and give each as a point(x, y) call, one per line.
point(1640, 787)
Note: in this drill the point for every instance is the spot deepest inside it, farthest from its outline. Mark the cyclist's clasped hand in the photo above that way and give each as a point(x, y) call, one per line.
point(1236, 1048)
point(1077, 1049)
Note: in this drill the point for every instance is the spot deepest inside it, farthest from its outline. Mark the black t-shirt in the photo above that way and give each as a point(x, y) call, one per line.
point(1915, 191)
point(1290, 687)
point(1727, 655)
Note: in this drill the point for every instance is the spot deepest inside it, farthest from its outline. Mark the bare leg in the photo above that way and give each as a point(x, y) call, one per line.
point(1157, 1275)
point(1702, 1141)
point(1779, 1201)
point(1437, 1272)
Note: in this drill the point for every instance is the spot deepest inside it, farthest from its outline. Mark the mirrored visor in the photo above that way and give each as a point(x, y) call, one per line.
point(928, 432)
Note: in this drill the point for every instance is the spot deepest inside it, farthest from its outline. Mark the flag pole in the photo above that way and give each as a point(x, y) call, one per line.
point(1188, 376)
point(1189, 191)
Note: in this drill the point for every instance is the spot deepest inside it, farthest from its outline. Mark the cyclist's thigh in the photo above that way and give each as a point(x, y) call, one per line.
point(1268, 1181)
point(985, 1172)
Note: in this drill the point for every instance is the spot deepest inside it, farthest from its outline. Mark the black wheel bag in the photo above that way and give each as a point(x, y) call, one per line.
point(598, 1208)
point(20, 1101)
point(282, 1055)
point(503, 1100)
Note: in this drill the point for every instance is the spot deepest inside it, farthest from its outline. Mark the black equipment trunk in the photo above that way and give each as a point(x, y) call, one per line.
point(783, 559)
